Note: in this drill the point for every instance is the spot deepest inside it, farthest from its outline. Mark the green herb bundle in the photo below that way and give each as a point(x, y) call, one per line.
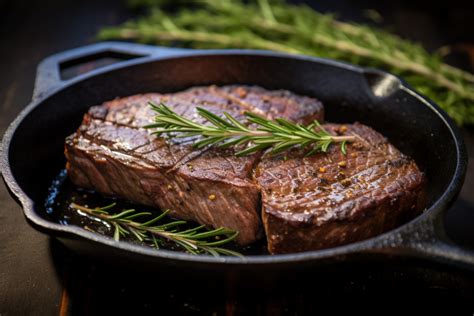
point(298, 29)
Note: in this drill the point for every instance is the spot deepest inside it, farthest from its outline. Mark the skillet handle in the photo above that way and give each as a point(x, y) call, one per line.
point(52, 72)
point(426, 238)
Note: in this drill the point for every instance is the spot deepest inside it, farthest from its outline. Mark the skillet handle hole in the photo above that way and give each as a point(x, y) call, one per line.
point(78, 66)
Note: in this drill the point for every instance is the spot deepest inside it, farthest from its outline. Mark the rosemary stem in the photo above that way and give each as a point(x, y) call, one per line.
point(172, 237)
point(206, 37)
point(457, 72)
point(336, 139)
point(340, 139)
point(82, 208)
point(239, 133)
point(350, 29)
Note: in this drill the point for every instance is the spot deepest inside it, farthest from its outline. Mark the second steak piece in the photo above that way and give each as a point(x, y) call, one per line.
point(331, 199)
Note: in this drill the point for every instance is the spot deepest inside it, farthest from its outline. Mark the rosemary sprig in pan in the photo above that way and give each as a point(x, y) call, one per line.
point(196, 240)
point(280, 134)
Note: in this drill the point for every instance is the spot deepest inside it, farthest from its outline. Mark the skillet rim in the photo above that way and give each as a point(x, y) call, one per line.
point(371, 244)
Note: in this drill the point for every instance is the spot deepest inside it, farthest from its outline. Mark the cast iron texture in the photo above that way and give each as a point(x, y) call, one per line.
point(32, 147)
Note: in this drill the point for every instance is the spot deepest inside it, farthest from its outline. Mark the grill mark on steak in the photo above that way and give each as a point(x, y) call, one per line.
point(340, 195)
point(112, 154)
point(332, 183)
point(245, 105)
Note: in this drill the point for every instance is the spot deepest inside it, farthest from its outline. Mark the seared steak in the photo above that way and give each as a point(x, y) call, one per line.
point(332, 199)
point(112, 154)
point(307, 203)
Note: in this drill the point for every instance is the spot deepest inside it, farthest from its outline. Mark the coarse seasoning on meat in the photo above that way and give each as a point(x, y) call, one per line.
point(302, 203)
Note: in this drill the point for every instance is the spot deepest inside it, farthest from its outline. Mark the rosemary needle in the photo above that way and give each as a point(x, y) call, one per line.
point(279, 134)
point(196, 240)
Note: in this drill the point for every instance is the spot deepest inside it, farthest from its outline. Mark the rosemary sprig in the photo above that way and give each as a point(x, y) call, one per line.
point(276, 25)
point(196, 240)
point(280, 134)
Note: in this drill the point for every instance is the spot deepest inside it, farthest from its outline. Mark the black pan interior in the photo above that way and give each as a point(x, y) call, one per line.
point(371, 97)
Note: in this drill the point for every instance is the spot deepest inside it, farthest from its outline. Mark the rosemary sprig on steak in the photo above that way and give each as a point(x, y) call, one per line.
point(196, 240)
point(279, 134)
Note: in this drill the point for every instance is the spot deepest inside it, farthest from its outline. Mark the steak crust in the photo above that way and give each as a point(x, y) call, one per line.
point(331, 199)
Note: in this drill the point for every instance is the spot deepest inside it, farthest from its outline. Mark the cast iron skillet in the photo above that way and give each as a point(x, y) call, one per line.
point(32, 148)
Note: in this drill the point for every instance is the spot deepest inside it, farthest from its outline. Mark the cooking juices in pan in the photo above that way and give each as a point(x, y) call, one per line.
point(332, 197)
point(63, 193)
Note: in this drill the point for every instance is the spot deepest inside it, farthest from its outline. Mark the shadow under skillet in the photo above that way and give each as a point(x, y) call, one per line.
point(99, 286)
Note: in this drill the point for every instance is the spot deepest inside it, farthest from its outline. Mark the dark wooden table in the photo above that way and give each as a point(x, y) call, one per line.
point(39, 277)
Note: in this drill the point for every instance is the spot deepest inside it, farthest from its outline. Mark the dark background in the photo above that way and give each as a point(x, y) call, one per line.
point(39, 277)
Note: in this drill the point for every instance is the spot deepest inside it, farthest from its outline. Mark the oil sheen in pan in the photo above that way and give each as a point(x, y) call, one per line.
point(62, 193)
